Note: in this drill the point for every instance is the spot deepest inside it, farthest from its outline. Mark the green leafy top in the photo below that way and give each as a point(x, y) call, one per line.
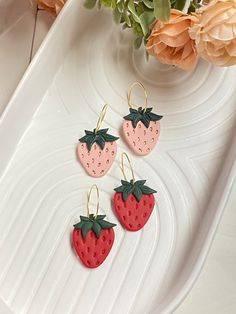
point(137, 188)
point(145, 116)
point(95, 223)
point(100, 137)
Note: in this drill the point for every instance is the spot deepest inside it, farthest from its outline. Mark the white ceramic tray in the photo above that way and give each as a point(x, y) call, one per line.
point(84, 62)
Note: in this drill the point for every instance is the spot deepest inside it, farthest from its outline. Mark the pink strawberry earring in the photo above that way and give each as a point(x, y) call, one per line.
point(133, 200)
point(93, 236)
point(141, 128)
point(97, 149)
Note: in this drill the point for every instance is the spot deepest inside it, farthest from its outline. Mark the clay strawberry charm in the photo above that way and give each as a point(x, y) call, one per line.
point(97, 149)
point(93, 237)
point(141, 127)
point(133, 202)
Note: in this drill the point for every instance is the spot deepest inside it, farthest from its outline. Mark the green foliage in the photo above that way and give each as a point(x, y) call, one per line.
point(140, 14)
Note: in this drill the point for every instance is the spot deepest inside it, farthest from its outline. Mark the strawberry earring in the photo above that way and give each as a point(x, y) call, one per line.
point(93, 236)
point(97, 149)
point(133, 200)
point(141, 128)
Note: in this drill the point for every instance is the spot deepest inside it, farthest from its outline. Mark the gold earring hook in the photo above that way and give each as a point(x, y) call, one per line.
point(130, 166)
point(101, 117)
point(89, 197)
point(130, 92)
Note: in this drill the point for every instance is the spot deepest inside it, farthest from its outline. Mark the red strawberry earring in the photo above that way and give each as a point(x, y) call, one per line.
point(141, 128)
point(133, 200)
point(97, 149)
point(93, 236)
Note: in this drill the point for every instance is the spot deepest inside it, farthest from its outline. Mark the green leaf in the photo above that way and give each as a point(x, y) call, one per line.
point(154, 117)
point(137, 29)
point(138, 42)
point(99, 217)
point(84, 218)
point(101, 142)
point(149, 4)
point(89, 132)
point(85, 228)
point(89, 4)
point(126, 191)
point(162, 9)
point(117, 15)
point(146, 18)
point(96, 228)
point(101, 131)
point(126, 17)
point(146, 121)
point(110, 138)
point(119, 189)
point(79, 225)
point(140, 182)
point(179, 4)
point(105, 224)
point(131, 7)
point(146, 190)
point(137, 192)
point(109, 3)
point(123, 182)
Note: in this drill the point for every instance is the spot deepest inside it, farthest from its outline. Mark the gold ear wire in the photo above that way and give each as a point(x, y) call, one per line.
point(130, 166)
point(89, 197)
point(101, 117)
point(130, 92)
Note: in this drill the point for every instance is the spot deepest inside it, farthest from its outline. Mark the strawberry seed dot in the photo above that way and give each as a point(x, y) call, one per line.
point(130, 225)
point(82, 155)
point(113, 153)
point(103, 238)
point(156, 131)
point(129, 213)
point(138, 139)
point(124, 217)
point(127, 133)
point(107, 161)
point(103, 251)
point(151, 128)
point(109, 242)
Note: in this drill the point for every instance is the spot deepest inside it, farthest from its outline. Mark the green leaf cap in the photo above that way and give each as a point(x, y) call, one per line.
point(95, 223)
point(137, 188)
point(100, 137)
point(145, 116)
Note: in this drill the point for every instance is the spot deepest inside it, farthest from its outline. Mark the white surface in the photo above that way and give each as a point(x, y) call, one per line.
point(58, 109)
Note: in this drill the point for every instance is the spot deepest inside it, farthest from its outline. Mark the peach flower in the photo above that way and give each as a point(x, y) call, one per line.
point(52, 6)
point(215, 34)
point(170, 42)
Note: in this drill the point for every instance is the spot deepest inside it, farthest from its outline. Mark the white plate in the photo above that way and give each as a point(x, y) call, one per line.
point(84, 62)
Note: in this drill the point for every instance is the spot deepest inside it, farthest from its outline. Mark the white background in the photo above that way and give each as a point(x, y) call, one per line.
point(22, 28)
